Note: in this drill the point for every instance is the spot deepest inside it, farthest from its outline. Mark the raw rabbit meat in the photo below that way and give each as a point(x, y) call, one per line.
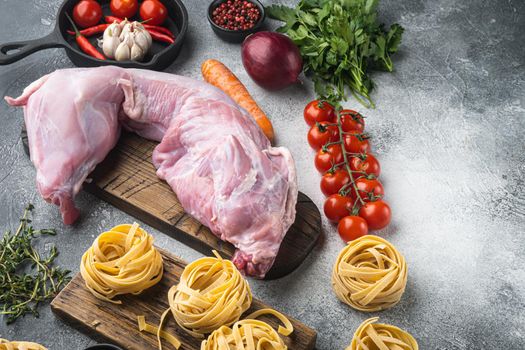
point(71, 119)
point(214, 156)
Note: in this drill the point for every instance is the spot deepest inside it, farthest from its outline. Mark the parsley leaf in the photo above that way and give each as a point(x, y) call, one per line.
point(284, 14)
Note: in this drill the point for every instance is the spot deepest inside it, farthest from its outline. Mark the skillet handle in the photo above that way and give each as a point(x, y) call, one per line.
point(12, 52)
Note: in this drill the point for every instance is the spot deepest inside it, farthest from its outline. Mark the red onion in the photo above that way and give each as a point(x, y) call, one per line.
point(272, 60)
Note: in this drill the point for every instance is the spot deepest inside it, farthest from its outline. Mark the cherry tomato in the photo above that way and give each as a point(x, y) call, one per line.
point(331, 183)
point(124, 8)
point(155, 10)
point(320, 134)
point(87, 13)
point(356, 144)
point(368, 188)
point(337, 207)
point(352, 121)
point(318, 111)
point(325, 160)
point(377, 214)
point(369, 165)
point(352, 227)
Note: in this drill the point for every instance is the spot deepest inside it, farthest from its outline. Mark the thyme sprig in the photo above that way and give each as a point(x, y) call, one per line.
point(26, 277)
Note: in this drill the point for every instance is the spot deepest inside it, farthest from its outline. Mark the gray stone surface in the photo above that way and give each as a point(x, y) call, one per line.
point(448, 130)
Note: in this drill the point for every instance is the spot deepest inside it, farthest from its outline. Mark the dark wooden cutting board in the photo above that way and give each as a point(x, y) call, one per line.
point(117, 324)
point(127, 179)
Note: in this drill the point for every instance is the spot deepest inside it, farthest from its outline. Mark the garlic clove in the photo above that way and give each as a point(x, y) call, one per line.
point(110, 40)
point(130, 39)
point(136, 53)
point(109, 46)
point(146, 34)
point(116, 28)
point(126, 29)
point(148, 38)
point(123, 52)
point(141, 40)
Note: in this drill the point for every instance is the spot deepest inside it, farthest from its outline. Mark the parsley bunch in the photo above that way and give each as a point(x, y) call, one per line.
point(340, 41)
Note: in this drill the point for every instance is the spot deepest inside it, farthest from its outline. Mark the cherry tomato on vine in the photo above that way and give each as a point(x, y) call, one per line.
point(352, 227)
point(377, 214)
point(87, 13)
point(318, 111)
point(356, 144)
point(337, 207)
point(325, 160)
point(368, 188)
point(124, 8)
point(321, 133)
point(352, 121)
point(369, 165)
point(153, 11)
point(331, 183)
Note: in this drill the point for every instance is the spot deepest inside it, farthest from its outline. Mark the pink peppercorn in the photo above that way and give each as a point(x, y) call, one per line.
point(236, 15)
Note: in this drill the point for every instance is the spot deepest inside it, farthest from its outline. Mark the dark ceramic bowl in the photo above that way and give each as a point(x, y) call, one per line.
point(234, 36)
point(103, 347)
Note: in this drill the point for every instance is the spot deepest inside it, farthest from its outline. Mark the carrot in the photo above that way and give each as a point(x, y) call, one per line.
point(217, 74)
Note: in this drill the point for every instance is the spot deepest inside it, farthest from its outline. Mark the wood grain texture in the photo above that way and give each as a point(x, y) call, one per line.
point(127, 179)
point(117, 324)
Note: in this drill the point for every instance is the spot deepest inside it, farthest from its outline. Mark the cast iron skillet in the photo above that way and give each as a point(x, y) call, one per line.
point(160, 56)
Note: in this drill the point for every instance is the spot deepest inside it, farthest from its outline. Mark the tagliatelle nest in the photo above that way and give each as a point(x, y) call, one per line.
point(371, 335)
point(19, 345)
point(369, 274)
point(250, 334)
point(211, 293)
point(122, 260)
point(210, 297)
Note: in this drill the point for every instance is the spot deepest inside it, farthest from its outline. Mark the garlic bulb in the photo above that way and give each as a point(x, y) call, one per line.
point(126, 41)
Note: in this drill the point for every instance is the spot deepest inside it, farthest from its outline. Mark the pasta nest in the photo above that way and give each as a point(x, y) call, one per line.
point(250, 334)
point(122, 260)
point(371, 335)
point(19, 345)
point(211, 293)
point(369, 274)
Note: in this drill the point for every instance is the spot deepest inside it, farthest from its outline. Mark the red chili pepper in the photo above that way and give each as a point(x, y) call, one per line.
point(161, 37)
point(149, 27)
point(86, 46)
point(159, 29)
point(111, 19)
point(84, 43)
point(91, 30)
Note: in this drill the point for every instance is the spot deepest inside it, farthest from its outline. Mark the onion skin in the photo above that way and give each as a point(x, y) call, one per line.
point(272, 60)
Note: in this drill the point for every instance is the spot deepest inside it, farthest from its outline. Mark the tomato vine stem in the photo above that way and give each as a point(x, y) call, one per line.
point(345, 160)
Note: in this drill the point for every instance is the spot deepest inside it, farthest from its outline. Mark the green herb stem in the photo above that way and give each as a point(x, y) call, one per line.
point(22, 292)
